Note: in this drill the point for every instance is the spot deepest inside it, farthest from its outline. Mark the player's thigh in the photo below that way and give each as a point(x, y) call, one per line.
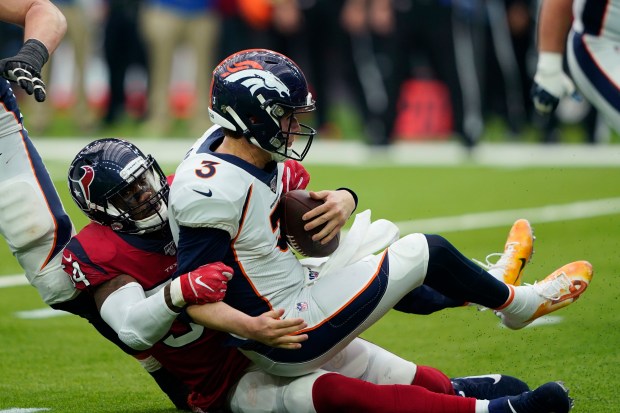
point(364, 360)
point(401, 271)
point(259, 392)
point(33, 221)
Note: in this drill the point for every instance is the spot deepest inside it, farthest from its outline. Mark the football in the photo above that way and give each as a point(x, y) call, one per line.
point(293, 205)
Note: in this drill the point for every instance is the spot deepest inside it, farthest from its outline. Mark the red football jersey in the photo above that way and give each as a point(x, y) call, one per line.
point(196, 355)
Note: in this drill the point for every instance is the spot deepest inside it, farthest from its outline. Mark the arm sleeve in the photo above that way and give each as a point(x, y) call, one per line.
point(139, 321)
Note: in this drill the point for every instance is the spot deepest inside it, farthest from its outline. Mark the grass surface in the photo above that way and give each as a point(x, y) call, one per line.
point(60, 363)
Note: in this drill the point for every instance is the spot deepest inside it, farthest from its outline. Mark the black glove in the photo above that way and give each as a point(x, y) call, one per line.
point(25, 68)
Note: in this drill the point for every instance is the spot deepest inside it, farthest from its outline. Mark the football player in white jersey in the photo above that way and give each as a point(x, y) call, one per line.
point(223, 207)
point(589, 32)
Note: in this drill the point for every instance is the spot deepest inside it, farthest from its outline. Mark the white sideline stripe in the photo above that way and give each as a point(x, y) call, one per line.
point(12, 281)
point(25, 410)
point(40, 313)
point(548, 213)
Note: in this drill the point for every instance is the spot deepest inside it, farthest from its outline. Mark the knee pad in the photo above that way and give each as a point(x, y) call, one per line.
point(259, 392)
point(297, 395)
point(369, 362)
point(408, 254)
point(352, 361)
point(387, 368)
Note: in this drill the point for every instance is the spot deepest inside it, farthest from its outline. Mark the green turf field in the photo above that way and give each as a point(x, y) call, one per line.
point(61, 364)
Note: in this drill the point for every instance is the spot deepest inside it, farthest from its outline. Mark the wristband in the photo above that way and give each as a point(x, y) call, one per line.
point(169, 300)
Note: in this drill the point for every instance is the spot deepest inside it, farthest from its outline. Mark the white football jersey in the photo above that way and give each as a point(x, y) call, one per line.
point(223, 192)
point(210, 191)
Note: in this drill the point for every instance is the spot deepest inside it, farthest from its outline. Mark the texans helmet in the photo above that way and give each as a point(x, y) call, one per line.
point(252, 90)
point(116, 185)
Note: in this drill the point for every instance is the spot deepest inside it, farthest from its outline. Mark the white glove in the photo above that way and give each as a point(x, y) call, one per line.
point(550, 83)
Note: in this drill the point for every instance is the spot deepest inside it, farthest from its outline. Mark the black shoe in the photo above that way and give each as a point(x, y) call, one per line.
point(488, 387)
point(549, 398)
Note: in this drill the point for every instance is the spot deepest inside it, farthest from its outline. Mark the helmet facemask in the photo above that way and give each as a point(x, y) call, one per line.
point(278, 143)
point(139, 205)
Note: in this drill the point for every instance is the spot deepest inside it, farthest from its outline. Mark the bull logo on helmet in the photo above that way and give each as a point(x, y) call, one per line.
point(256, 79)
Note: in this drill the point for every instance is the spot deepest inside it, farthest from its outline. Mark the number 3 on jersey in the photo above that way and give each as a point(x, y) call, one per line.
point(207, 169)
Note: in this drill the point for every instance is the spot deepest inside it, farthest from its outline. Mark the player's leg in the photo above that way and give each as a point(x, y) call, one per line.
point(358, 396)
point(508, 268)
point(593, 63)
point(457, 277)
point(32, 218)
point(366, 361)
point(341, 306)
point(322, 391)
point(36, 227)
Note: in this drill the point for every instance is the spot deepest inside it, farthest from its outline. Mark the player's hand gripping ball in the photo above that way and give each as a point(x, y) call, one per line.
point(293, 205)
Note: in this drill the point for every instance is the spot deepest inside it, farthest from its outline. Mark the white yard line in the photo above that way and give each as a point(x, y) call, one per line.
point(12, 281)
point(548, 213)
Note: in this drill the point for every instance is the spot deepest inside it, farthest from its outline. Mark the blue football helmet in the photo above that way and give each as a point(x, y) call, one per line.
point(116, 185)
point(252, 90)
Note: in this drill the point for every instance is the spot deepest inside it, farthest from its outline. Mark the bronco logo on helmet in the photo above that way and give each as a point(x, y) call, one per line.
point(255, 80)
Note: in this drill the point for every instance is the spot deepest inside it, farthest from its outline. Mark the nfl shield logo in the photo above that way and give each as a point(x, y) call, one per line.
point(303, 306)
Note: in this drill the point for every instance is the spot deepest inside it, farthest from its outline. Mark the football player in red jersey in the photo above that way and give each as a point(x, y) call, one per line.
point(35, 224)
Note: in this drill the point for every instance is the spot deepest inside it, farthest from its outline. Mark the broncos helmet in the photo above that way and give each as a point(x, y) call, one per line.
point(252, 90)
point(116, 185)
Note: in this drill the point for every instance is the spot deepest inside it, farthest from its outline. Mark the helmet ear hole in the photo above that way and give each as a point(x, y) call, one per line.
point(254, 89)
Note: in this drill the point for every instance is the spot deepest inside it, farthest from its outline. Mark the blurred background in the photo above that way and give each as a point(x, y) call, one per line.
point(381, 71)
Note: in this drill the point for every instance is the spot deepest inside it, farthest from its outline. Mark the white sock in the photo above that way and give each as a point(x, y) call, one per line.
point(525, 302)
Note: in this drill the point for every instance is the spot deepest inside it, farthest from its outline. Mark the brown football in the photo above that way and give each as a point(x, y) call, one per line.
point(293, 205)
